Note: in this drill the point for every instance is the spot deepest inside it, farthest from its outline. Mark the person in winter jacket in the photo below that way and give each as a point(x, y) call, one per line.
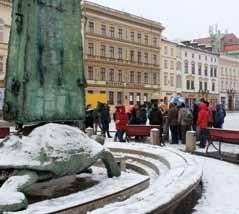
point(121, 123)
point(173, 122)
point(203, 120)
point(185, 120)
point(219, 116)
point(155, 116)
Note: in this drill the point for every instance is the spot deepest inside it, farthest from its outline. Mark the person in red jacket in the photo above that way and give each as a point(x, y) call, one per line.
point(121, 120)
point(202, 122)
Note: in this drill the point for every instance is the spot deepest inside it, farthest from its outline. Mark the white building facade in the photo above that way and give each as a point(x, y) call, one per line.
point(197, 73)
point(229, 82)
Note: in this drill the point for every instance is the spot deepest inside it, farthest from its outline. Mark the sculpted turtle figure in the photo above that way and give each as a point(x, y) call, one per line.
point(50, 151)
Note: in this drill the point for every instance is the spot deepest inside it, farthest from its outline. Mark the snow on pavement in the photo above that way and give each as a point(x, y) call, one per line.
point(220, 187)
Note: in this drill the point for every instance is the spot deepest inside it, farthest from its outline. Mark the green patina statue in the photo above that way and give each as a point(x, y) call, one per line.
point(45, 79)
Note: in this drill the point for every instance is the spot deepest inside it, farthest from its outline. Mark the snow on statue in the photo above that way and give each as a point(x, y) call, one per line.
point(50, 151)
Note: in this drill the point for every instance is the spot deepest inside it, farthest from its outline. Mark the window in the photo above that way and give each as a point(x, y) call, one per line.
point(91, 27)
point(200, 85)
point(193, 56)
point(172, 81)
point(193, 68)
point(179, 67)
point(112, 52)
point(155, 59)
point(102, 50)
point(146, 58)
point(111, 97)
point(185, 54)
point(90, 92)
point(131, 56)
point(188, 84)
point(166, 50)
point(112, 32)
point(1, 64)
point(146, 78)
point(119, 98)
point(155, 42)
point(172, 52)
point(154, 78)
point(138, 97)
point(90, 49)
point(90, 73)
point(213, 86)
point(145, 98)
point(165, 79)
point(139, 37)
point(215, 72)
point(199, 69)
point(139, 57)
point(205, 86)
point(199, 57)
point(120, 33)
point(103, 30)
point(131, 77)
point(206, 58)
point(111, 75)
point(211, 71)
point(120, 53)
point(132, 36)
point(120, 76)
point(1, 30)
point(131, 98)
point(146, 40)
point(139, 77)
point(102, 74)
point(172, 65)
point(205, 70)
point(186, 67)
point(192, 85)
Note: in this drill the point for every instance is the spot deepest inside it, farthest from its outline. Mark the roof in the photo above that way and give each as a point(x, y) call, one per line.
point(203, 41)
point(232, 48)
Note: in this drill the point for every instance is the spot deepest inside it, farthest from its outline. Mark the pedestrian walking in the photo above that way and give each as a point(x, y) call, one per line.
point(219, 117)
point(121, 123)
point(173, 122)
point(185, 119)
point(203, 120)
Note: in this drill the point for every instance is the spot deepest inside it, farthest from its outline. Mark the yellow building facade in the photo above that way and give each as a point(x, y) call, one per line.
point(121, 55)
point(168, 71)
point(5, 23)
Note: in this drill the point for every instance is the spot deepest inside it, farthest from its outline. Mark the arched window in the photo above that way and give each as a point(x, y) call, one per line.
point(1, 30)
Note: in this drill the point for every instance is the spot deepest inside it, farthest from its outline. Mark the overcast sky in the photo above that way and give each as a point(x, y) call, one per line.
point(183, 19)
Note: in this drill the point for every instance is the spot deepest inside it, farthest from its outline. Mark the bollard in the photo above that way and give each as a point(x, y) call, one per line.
point(154, 137)
point(89, 131)
point(190, 141)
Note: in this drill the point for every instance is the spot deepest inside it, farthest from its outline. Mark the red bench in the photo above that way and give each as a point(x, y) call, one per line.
point(140, 130)
point(222, 136)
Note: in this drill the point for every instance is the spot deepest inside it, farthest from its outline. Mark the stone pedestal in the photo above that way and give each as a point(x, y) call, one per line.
point(155, 137)
point(190, 141)
point(89, 131)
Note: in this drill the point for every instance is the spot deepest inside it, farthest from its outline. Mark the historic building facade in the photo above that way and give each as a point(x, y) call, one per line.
point(197, 73)
point(168, 70)
point(122, 55)
point(5, 23)
point(229, 82)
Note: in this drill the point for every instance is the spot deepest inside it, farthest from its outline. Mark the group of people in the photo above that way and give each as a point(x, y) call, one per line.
point(203, 115)
point(181, 118)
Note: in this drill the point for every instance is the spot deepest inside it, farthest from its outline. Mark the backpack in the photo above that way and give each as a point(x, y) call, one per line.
point(219, 116)
point(188, 117)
